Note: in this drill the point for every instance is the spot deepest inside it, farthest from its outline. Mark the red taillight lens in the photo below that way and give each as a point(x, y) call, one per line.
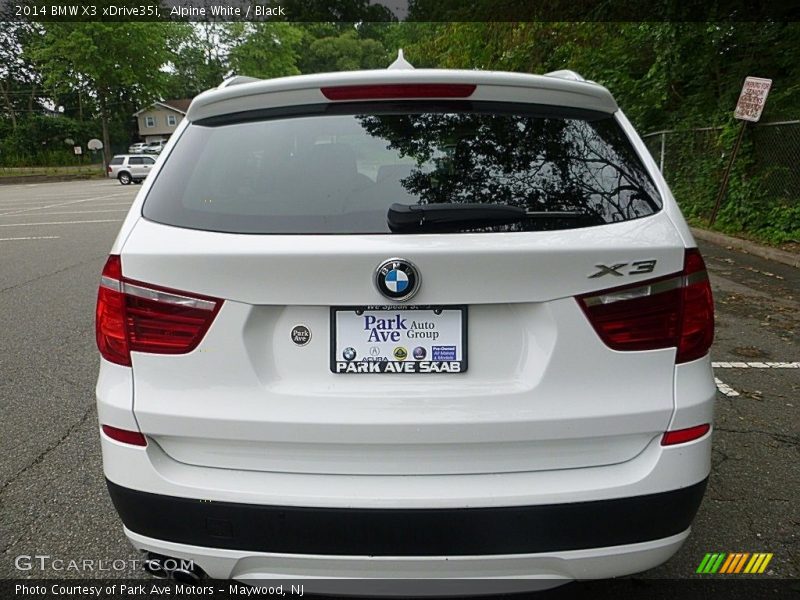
point(133, 316)
point(681, 436)
point(112, 340)
point(398, 90)
point(673, 311)
point(108, 169)
point(134, 438)
point(697, 332)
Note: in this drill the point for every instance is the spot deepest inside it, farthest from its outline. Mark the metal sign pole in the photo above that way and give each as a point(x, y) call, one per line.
point(748, 108)
point(724, 187)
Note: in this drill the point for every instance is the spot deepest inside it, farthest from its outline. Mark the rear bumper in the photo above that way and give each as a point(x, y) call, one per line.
point(426, 575)
point(543, 524)
point(408, 532)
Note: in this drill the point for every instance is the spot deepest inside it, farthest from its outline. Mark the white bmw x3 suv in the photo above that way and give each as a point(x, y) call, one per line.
point(406, 324)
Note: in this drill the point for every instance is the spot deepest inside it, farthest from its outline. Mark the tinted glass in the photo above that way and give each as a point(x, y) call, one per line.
point(340, 173)
point(117, 160)
point(134, 160)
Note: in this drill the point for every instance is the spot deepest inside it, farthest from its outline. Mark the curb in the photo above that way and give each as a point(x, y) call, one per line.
point(774, 254)
point(17, 179)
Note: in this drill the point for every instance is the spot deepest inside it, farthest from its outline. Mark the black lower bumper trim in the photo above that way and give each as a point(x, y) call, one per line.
point(408, 532)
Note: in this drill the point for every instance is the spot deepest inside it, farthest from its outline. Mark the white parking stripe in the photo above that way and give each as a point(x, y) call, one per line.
point(87, 206)
point(80, 212)
point(39, 199)
point(60, 223)
point(36, 237)
point(725, 388)
point(23, 210)
point(755, 365)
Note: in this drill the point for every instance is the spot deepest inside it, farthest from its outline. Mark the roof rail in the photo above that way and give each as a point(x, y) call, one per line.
point(236, 80)
point(565, 74)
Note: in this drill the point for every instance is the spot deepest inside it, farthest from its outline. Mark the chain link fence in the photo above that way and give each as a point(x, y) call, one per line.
point(693, 161)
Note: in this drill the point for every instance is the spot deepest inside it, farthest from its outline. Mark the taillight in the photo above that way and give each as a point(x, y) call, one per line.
point(140, 317)
point(673, 311)
point(697, 332)
point(108, 169)
point(112, 340)
point(383, 91)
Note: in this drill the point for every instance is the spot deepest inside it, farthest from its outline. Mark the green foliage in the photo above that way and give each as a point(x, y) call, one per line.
point(750, 207)
point(50, 134)
point(265, 49)
point(197, 58)
point(337, 13)
point(344, 52)
point(114, 63)
point(105, 59)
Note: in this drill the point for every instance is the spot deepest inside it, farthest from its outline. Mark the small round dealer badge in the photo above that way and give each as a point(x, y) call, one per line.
point(301, 335)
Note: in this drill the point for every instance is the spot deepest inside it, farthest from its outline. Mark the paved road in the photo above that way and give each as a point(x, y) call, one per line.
point(53, 241)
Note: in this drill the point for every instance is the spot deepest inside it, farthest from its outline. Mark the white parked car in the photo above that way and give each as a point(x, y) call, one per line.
point(130, 169)
point(155, 147)
point(406, 324)
point(137, 148)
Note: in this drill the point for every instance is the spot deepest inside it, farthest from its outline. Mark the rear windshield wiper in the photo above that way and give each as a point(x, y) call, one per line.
point(416, 217)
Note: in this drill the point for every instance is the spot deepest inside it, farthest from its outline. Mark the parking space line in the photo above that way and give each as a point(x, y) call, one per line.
point(755, 365)
point(46, 201)
point(724, 388)
point(42, 199)
point(23, 210)
point(35, 237)
point(60, 223)
point(39, 199)
point(81, 212)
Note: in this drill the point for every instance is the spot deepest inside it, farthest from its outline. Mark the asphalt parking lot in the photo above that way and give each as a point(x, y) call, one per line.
point(54, 238)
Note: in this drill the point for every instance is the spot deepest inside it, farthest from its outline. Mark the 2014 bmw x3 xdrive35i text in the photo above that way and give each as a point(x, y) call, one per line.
point(406, 324)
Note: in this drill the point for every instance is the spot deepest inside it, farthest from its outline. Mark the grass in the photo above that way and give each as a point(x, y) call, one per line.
point(760, 237)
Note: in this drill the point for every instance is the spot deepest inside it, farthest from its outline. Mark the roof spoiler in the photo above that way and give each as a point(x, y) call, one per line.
point(565, 74)
point(236, 80)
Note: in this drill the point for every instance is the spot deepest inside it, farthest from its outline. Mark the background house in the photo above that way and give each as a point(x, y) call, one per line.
point(159, 120)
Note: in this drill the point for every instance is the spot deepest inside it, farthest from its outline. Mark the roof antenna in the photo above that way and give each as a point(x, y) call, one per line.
point(401, 62)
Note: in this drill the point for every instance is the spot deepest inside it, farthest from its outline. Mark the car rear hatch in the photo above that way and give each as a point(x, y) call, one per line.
point(280, 236)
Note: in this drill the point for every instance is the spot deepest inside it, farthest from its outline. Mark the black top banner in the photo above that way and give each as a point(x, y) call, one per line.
point(399, 10)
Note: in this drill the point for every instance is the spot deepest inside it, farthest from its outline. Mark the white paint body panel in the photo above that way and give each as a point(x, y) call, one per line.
point(546, 413)
point(492, 85)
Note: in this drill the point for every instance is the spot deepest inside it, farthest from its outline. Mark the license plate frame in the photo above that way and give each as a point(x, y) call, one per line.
point(418, 366)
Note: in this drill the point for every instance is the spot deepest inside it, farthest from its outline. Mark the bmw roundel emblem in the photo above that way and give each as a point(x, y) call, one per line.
point(397, 279)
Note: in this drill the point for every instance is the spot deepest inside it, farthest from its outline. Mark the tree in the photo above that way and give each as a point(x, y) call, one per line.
point(19, 81)
point(337, 13)
point(116, 64)
point(265, 49)
point(344, 52)
point(198, 58)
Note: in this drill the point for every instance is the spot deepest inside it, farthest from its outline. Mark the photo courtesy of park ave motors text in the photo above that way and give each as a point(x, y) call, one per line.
point(387, 299)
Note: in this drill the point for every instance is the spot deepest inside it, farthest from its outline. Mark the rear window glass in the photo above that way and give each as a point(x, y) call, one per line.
point(117, 160)
point(335, 169)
